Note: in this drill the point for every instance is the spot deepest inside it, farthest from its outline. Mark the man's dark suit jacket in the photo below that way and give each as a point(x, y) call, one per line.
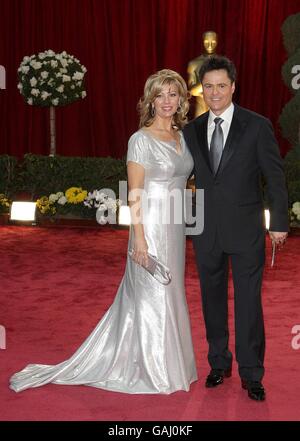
point(233, 198)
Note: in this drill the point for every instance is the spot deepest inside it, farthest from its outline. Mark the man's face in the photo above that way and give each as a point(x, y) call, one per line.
point(217, 90)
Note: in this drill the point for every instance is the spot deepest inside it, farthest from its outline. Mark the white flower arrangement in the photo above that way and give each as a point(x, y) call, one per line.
point(101, 201)
point(50, 79)
point(58, 197)
point(75, 200)
point(295, 212)
point(106, 206)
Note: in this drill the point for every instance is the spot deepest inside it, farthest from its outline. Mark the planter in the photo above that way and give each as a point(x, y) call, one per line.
point(75, 222)
point(4, 218)
point(67, 221)
point(295, 231)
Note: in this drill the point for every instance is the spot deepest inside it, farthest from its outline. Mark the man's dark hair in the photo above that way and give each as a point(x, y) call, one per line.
point(217, 62)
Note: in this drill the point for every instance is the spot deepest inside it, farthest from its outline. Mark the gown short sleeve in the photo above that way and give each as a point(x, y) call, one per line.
point(138, 149)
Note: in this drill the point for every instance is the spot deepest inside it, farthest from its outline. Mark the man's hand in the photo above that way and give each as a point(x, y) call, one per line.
point(278, 237)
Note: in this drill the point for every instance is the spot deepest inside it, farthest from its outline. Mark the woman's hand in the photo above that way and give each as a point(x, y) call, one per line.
point(140, 250)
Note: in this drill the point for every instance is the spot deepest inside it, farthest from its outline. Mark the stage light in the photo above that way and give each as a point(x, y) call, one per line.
point(23, 211)
point(124, 215)
point(267, 219)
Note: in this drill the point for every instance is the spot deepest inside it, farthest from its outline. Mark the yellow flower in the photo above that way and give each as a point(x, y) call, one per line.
point(45, 206)
point(75, 195)
point(4, 201)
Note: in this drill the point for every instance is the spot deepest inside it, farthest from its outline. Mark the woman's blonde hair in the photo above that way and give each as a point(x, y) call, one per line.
point(153, 87)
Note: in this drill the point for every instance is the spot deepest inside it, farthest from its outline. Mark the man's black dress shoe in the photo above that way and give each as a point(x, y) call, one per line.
point(216, 377)
point(255, 390)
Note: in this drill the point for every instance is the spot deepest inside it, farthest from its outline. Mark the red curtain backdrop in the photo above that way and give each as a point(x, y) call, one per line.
point(121, 42)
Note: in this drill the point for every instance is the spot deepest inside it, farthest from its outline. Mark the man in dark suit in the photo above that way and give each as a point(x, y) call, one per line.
point(232, 148)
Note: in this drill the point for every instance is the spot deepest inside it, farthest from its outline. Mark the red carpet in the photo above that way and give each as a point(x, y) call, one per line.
point(57, 283)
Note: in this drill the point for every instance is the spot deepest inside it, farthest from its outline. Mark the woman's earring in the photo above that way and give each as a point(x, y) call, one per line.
point(152, 111)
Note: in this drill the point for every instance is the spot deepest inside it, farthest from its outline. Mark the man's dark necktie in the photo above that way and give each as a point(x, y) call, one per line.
point(216, 145)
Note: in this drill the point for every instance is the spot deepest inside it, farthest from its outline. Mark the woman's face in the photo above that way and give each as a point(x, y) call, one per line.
point(167, 101)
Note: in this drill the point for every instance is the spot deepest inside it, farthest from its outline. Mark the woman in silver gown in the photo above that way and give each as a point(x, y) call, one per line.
point(143, 343)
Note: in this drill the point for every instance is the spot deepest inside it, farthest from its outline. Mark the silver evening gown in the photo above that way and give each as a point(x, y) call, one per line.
point(143, 344)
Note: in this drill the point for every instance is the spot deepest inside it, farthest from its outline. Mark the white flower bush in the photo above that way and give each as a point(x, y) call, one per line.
point(295, 211)
point(50, 79)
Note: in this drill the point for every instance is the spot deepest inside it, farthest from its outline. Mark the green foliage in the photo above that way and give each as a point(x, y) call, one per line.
point(290, 120)
point(290, 117)
point(39, 176)
point(292, 173)
point(291, 33)
point(43, 175)
point(8, 175)
point(293, 154)
point(286, 70)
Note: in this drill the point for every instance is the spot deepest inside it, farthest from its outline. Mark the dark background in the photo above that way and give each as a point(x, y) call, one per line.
point(121, 42)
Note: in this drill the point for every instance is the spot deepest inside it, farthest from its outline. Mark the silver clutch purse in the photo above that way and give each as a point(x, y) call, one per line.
point(156, 268)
